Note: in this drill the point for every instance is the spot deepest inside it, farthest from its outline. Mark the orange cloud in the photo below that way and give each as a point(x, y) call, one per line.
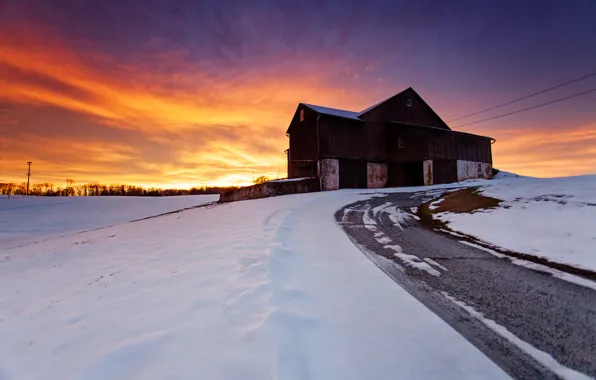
point(146, 104)
point(192, 127)
point(237, 116)
point(547, 153)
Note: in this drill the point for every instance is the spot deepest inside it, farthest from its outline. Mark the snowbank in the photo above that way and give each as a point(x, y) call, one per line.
point(553, 218)
point(28, 219)
point(270, 288)
point(503, 175)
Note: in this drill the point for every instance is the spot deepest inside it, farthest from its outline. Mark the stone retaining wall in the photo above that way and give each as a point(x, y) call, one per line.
point(271, 189)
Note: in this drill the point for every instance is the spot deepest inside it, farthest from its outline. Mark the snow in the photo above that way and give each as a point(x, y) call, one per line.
point(334, 112)
point(539, 267)
point(541, 356)
point(29, 219)
point(433, 262)
point(435, 204)
point(412, 260)
point(555, 273)
point(369, 223)
point(383, 239)
point(290, 179)
point(378, 209)
point(552, 218)
point(398, 216)
point(492, 252)
point(268, 288)
point(503, 174)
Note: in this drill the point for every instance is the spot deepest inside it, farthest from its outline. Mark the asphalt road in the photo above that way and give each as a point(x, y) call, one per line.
point(533, 325)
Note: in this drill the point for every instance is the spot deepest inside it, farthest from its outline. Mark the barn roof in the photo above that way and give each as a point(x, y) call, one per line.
point(333, 111)
point(358, 115)
point(442, 130)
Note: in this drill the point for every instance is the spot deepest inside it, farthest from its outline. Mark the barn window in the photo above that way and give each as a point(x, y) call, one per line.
point(479, 168)
point(408, 102)
point(302, 115)
point(400, 142)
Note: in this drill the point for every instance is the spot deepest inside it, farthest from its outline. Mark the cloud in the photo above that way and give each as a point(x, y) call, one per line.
point(202, 91)
point(548, 153)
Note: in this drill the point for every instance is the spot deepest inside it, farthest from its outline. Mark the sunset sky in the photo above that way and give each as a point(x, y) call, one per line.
point(185, 93)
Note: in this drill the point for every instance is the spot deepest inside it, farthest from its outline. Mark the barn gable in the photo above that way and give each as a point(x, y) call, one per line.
point(405, 107)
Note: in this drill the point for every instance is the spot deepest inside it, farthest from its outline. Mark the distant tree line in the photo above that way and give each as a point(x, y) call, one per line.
point(97, 189)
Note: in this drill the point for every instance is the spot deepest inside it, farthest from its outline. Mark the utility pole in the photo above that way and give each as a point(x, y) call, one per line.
point(28, 175)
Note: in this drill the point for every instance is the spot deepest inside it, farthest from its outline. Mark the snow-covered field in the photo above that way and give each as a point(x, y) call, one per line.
point(28, 219)
point(263, 289)
point(554, 218)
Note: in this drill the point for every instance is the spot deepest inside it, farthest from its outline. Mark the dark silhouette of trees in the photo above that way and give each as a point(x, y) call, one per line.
point(97, 189)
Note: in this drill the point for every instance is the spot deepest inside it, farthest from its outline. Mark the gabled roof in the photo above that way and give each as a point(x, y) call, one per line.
point(376, 105)
point(410, 90)
point(333, 112)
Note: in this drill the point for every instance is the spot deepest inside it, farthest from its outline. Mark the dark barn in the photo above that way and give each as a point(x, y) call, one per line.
point(400, 141)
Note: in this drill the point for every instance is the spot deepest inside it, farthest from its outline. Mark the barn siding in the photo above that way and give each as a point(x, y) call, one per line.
point(303, 143)
point(303, 152)
point(460, 146)
point(396, 109)
point(407, 143)
point(302, 169)
point(345, 138)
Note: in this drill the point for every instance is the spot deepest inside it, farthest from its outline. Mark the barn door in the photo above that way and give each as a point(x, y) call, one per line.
point(352, 174)
point(444, 171)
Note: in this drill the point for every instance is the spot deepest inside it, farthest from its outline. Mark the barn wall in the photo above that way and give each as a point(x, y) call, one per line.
point(303, 136)
point(460, 146)
point(427, 167)
point(377, 175)
point(469, 170)
point(407, 143)
point(351, 139)
point(329, 174)
point(302, 169)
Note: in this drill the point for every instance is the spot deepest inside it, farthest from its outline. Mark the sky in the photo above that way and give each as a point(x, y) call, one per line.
point(189, 93)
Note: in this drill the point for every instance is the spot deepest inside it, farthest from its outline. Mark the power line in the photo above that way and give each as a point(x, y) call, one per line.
point(526, 97)
point(529, 108)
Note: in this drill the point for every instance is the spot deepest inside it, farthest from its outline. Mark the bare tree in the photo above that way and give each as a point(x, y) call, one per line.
point(261, 179)
point(70, 188)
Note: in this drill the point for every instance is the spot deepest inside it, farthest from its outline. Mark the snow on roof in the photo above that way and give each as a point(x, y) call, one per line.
point(290, 179)
point(334, 111)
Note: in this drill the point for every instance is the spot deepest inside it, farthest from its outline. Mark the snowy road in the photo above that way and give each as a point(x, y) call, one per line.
point(532, 321)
